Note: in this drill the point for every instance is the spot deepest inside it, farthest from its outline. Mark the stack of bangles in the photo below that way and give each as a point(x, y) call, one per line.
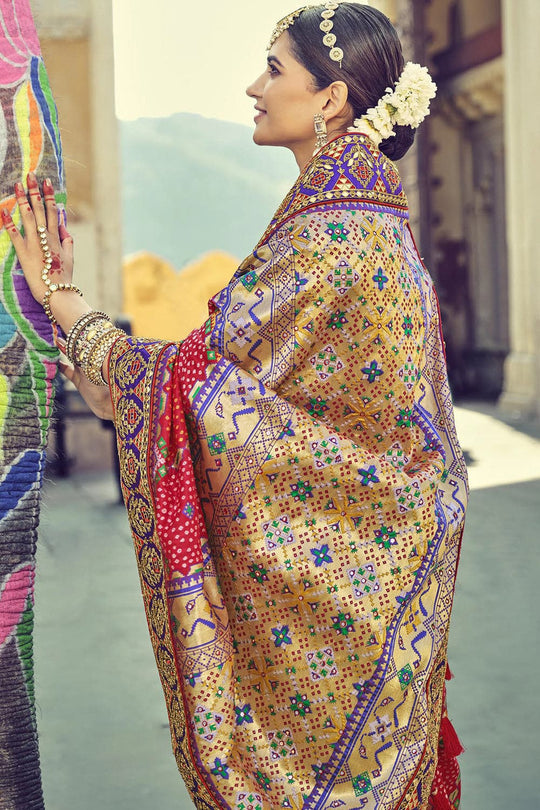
point(88, 343)
point(91, 337)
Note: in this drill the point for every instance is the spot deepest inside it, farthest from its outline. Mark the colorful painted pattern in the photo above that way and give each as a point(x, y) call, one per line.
point(305, 435)
point(29, 141)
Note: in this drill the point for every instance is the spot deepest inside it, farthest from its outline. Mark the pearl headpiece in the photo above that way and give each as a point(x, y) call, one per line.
point(283, 24)
point(329, 39)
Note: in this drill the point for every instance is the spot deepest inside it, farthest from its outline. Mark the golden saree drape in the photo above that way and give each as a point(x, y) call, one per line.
point(297, 496)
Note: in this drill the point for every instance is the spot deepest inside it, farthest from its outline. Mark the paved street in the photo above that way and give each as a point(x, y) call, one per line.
point(102, 721)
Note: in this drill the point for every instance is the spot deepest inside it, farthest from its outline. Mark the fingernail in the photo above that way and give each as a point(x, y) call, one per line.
point(19, 188)
point(5, 214)
point(47, 184)
point(31, 179)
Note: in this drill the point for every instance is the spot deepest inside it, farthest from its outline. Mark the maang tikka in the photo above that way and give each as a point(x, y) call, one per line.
point(329, 39)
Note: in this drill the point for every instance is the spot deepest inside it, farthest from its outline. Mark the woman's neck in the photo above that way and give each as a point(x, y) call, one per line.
point(303, 152)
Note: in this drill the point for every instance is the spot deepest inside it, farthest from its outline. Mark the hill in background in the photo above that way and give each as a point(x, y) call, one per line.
point(192, 185)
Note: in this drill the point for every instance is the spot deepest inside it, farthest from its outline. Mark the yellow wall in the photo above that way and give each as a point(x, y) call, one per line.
point(166, 304)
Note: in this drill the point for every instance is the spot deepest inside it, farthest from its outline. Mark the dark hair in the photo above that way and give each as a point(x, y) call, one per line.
point(373, 60)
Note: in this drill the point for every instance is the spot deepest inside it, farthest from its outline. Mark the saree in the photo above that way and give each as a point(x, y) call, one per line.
point(296, 495)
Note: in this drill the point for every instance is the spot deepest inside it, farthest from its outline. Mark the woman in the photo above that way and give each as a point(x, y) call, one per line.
point(291, 471)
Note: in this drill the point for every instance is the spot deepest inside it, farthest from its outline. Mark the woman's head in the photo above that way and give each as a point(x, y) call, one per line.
point(302, 79)
point(372, 60)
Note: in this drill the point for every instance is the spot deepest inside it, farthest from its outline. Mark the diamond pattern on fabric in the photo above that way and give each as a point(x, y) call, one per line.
point(321, 664)
point(277, 532)
point(327, 451)
point(281, 744)
point(326, 362)
point(364, 580)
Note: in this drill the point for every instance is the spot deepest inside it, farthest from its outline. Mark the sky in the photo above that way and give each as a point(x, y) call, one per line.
point(196, 56)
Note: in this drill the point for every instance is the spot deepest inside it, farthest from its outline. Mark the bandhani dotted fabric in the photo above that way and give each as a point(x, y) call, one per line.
point(29, 142)
point(297, 497)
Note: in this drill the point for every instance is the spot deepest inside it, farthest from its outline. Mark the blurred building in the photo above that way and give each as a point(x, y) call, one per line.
point(161, 302)
point(474, 179)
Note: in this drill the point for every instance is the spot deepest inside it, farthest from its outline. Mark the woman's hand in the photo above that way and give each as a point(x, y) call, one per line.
point(28, 247)
point(57, 269)
point(97, 397)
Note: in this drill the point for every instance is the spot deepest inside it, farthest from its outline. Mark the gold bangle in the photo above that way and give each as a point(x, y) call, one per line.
point(77, 329)
point(87, 337)
point(90, 341)
point(93, 367)
point(52, 288)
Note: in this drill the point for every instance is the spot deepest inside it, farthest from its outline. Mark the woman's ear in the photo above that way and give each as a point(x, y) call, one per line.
point(337, 101)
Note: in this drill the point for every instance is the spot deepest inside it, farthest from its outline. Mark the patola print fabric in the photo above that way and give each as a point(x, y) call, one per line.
point(297, 496)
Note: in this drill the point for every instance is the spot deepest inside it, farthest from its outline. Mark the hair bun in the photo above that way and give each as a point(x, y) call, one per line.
point(399, 144)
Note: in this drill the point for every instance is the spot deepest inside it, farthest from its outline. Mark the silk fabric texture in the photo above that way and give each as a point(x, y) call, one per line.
point(297, 495)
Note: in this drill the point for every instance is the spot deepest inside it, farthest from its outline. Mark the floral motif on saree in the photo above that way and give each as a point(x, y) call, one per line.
point(297, 495)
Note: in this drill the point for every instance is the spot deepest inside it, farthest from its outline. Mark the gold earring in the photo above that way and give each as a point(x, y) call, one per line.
point(320, 130)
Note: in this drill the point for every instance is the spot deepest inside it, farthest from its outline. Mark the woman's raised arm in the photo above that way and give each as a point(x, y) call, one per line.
point(45, 253)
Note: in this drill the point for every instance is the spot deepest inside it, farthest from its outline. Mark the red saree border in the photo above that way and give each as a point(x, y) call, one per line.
point(135, 369)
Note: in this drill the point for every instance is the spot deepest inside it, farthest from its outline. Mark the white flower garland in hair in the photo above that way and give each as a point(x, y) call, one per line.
point(405, 105)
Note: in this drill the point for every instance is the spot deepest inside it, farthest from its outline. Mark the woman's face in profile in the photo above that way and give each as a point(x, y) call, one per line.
point(286, 100)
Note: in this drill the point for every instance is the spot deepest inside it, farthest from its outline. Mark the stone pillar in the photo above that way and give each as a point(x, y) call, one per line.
point(415, 168)
point(521, 23)
point(106, 162)
point(77, 44)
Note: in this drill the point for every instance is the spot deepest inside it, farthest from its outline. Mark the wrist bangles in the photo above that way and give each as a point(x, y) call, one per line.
point(88, 343)
point(91, 337)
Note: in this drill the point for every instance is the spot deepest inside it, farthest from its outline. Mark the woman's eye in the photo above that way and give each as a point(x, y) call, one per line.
point(272, 70)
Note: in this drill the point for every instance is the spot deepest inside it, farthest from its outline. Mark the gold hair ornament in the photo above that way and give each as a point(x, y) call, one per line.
point(329, 39)
point(285, 23)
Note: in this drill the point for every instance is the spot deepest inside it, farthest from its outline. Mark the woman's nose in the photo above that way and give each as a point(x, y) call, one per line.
point(253, 89)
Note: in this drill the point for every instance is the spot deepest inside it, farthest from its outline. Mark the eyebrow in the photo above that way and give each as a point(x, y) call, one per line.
point(271, 59)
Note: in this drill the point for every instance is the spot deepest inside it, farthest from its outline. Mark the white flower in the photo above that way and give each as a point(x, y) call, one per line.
point(407, 104)
point(365, 126)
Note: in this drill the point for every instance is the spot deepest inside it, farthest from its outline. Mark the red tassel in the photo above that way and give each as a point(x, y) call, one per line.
point(448, 675)
point(452, 745)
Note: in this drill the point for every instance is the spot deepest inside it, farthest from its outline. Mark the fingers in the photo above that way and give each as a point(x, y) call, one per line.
point(61, 344)
point(13, 232)
point(36, 202)
point(70, 372)
point(66, 240)
point(27, 217)
point(51, 210)
point(65, 236)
